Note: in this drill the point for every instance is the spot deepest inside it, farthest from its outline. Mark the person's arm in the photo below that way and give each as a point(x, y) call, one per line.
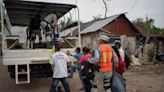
point(115, 59)
point(52, 62)
point(83, 59)
point(96, 58)
point(67, 59)
point(78, 56)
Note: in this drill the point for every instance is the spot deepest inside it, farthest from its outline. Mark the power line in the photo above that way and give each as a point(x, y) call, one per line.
point(135, 3)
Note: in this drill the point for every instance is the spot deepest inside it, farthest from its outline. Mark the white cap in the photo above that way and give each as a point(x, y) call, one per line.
point(60, 40)
point(103, 37)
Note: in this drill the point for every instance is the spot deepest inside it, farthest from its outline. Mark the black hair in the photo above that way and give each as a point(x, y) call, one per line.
point(116, 50)
point(78, 49)
point(57, 47)
point(86, 50)
point(118, 44)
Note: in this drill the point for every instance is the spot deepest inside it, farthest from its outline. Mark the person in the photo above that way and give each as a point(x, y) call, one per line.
point(83, 60)
point(105, 58)
point(86, 55)
point(59, 42)
point(121, 51)
point(78, 55)
point(55, 33)
point(59, 67)
point(33, 30)
point(121, 65)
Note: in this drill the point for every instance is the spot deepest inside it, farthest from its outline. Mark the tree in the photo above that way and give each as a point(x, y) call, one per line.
point(0, 26)
point(66, 22)
point(97, 17)
point(148, 23)
point(106, 8)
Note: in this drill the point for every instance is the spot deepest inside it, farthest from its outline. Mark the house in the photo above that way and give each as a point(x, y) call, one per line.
point(150, 43)
point(117, 26)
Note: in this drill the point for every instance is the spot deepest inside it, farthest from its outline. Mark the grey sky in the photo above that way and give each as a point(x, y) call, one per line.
point(90, 8)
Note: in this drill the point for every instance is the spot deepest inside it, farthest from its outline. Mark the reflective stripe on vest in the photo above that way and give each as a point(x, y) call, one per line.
point(106, 58)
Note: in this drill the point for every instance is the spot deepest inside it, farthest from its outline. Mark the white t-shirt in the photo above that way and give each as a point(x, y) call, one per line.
point(122, 54)
point(59, 60)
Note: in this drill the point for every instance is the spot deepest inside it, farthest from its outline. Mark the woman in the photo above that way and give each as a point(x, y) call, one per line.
point(83, 60)
point(121, 65)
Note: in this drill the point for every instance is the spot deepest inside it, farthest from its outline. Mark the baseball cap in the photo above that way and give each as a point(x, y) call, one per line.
point(103, 37)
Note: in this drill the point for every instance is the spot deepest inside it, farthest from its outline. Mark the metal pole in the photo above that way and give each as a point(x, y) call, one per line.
point(79, 35)
point(2, 23)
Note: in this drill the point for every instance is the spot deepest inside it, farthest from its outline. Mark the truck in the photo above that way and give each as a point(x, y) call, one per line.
point(24, 63)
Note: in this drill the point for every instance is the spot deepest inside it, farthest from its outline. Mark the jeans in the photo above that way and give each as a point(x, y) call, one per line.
point(87, 85)
point(72, 70)
point(55, 82)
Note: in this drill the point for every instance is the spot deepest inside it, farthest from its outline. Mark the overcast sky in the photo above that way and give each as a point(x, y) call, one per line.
point(134, 8)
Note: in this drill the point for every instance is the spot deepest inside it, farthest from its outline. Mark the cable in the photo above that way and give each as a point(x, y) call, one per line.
point(135, 3)
point(76, 2)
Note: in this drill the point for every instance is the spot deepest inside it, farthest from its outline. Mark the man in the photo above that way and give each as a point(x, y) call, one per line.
point(104, 57)
point(59, 42)
point(59, 67)
point(33, 30)
point(121, 51)
point(78, 56)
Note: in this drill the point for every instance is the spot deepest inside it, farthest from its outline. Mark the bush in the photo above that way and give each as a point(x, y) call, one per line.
point(150, 54)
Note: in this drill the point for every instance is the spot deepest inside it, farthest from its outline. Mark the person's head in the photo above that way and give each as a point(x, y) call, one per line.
point(57, 48)
point(116, 50)
point(118, 44)
point(59, 41)
point(85, 50)
point(78, 50)
point(103, 39)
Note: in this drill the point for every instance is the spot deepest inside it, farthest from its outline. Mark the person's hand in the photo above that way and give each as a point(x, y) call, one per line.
point(68, 53)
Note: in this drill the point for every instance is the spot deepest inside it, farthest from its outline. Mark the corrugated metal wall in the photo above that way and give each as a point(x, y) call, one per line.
point(121, 26)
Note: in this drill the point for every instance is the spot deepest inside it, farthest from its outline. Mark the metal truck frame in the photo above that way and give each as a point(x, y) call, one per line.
point(26, 63)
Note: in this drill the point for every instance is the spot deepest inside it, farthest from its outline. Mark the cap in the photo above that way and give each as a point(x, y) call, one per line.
point(60, 40)
point(103, 37)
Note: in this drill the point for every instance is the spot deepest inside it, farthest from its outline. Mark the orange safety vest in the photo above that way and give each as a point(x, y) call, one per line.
point(106, 58)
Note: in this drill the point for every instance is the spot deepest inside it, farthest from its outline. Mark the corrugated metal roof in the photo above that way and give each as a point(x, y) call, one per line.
point(99, 24)
point(141, 29)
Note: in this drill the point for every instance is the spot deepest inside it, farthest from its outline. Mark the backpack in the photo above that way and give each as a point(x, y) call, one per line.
point(88, 70)
point(121, 66)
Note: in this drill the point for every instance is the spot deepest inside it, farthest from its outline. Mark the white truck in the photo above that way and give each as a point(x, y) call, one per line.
point(24, 63)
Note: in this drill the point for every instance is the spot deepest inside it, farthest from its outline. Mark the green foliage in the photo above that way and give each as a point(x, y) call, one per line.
point(65, 23)
point(148, 23)
point(150, 54)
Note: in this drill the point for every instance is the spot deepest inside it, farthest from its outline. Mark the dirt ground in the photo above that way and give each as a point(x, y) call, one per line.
point(147, 78)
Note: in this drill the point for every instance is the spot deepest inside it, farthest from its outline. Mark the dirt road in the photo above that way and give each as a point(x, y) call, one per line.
point(148, 78)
